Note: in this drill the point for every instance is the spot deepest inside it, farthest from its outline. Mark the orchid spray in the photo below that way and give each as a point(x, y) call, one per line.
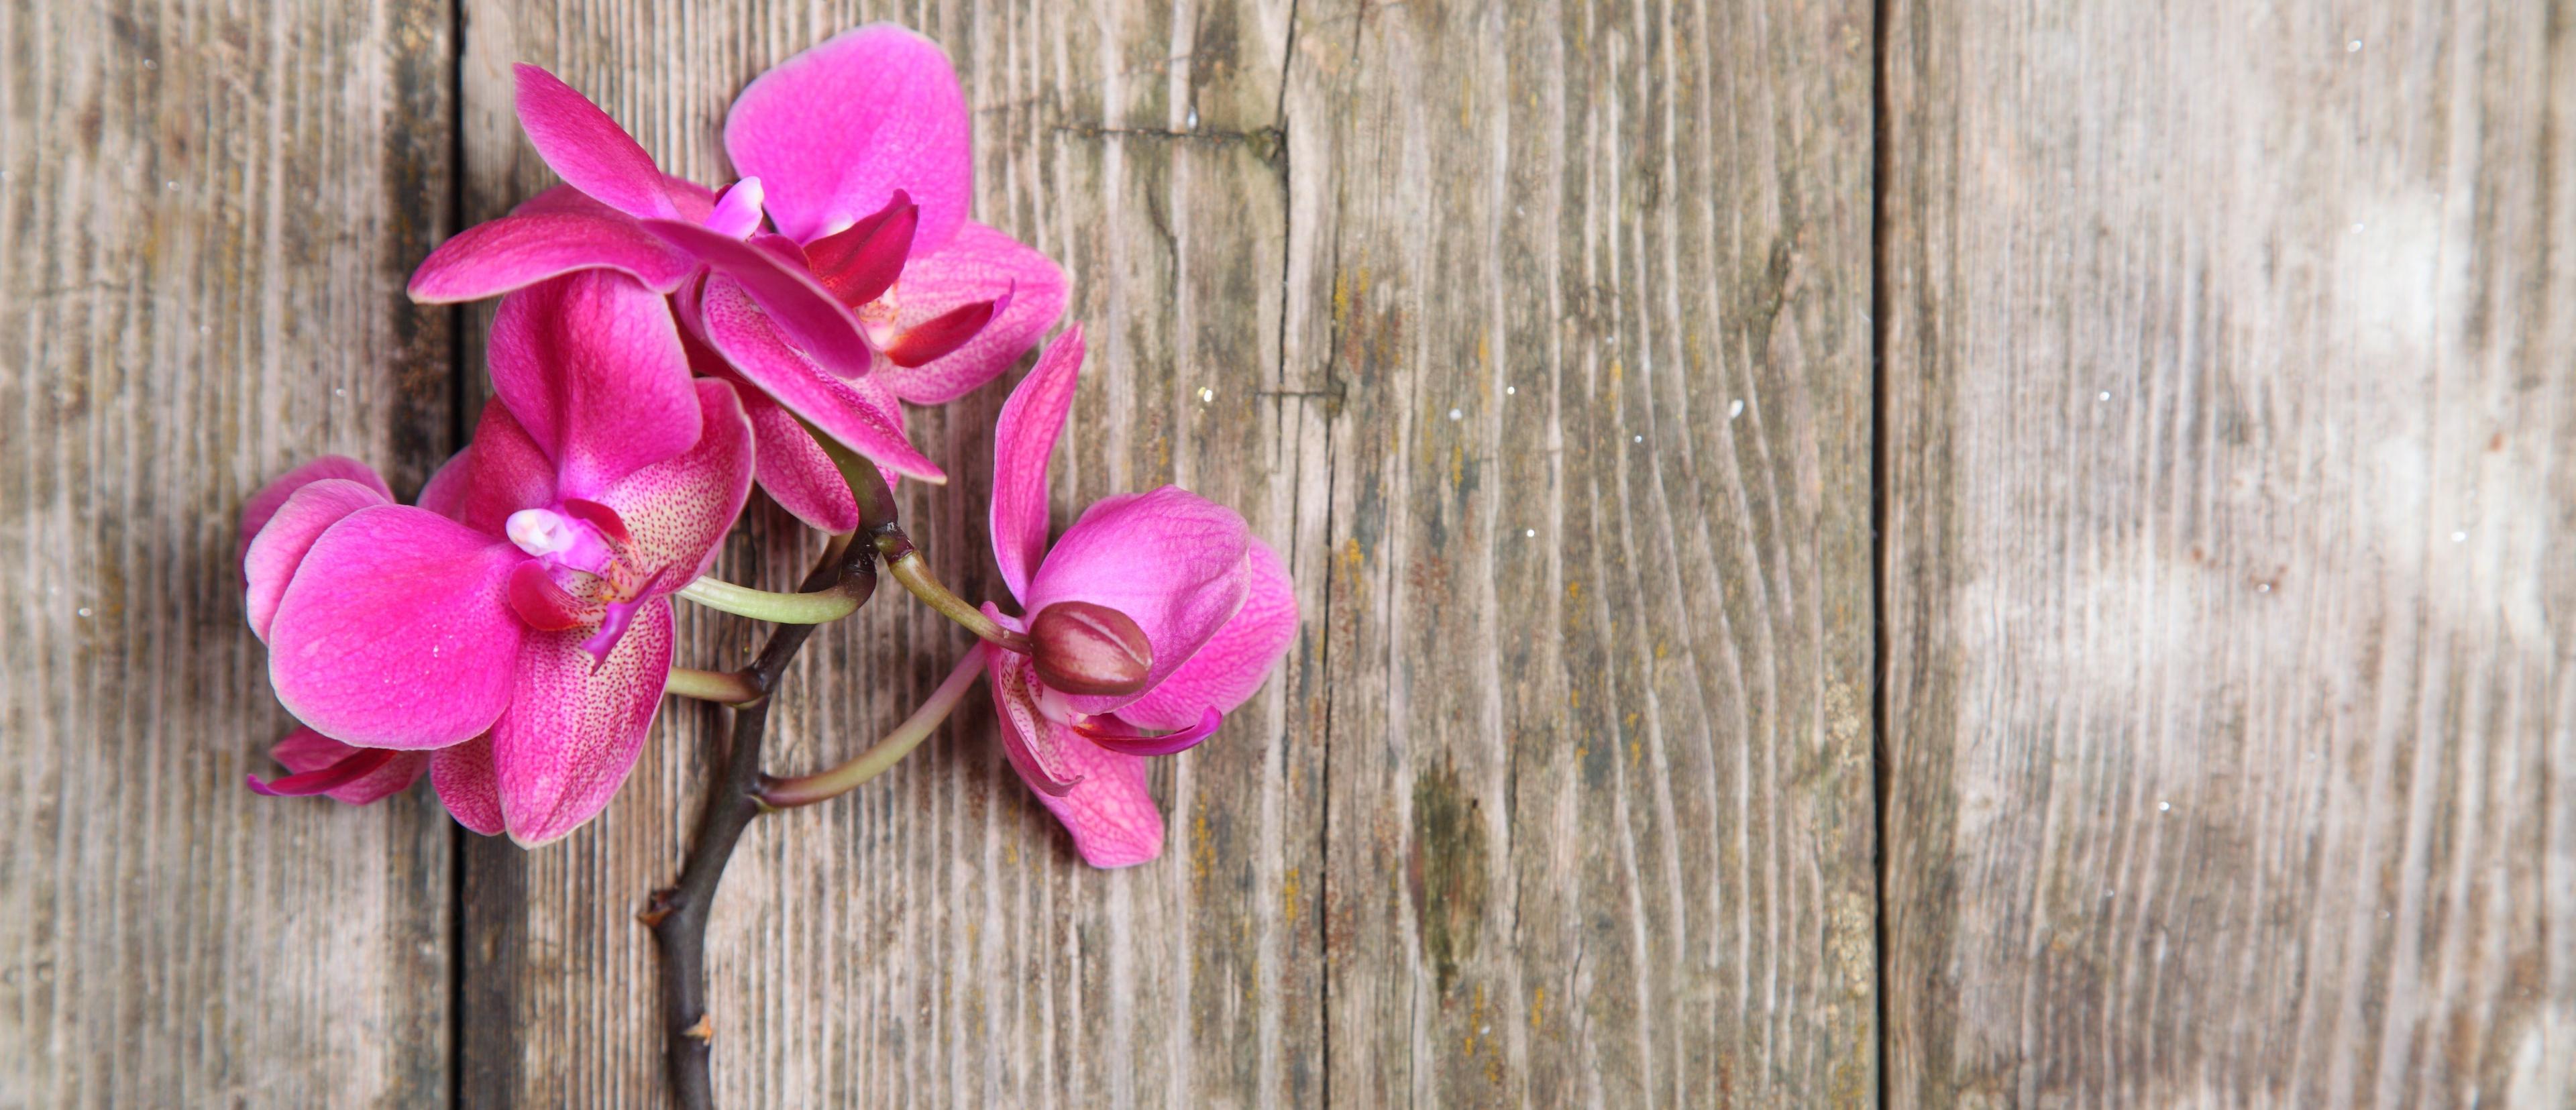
point(660, 348)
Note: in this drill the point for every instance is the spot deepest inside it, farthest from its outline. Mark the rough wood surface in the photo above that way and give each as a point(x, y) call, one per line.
point(2230, 463)
point(1585, 288)
point(207, 213)
point(2225, 442)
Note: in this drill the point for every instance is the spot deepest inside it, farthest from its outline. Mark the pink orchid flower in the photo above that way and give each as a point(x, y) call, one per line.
point(515, 628)
point(1212, 601)
point(874, 289)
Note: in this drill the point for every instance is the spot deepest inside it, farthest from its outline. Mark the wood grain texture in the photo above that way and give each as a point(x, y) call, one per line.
point(1585, 287)
point(207, 212)
point(2231, 467)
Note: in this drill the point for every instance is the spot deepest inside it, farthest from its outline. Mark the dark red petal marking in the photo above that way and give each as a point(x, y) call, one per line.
point(360, 765)
point(597, 516)
point(540, 601)
point(1119, 736)
point(859, 263)
point(948, 332)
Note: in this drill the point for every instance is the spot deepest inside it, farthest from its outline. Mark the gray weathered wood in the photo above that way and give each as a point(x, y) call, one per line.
point(2231, 468)
point(1584, 287)
point(207, 213)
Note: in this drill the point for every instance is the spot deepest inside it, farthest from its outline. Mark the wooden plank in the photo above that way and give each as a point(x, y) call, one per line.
point(207, 213)
point(2231, 469)
point(933, 938)
point(1597, 639)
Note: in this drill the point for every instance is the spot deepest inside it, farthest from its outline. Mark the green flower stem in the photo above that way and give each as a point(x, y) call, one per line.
point(820, 607)
point(876, 518)
point(821, 786)
point(908, 567)
point(726, 687)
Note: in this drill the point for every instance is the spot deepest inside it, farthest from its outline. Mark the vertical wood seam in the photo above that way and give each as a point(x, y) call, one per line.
point(1881, 147)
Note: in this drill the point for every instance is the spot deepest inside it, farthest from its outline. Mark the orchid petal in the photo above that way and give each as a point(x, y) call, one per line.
point(937, 337)
point(978, 265)
point(264, 504)
point(804, 311)
point(394, 633)
point(587, 149)
point(364, 775)
point(575, 725)
point(834, 131)
point(1233, 663)
point(468, 785)
point(542, 602)
point(737, 211)
point(678, 510)
point(1119, 735)
point(290, 533)
point(1034, 743)
point(1023, 436)
point(518, 251)
point(591, 365)
point(794, 469)
point(1171, 560)
point(506, 471)
point(858, 264)
point(857, 412)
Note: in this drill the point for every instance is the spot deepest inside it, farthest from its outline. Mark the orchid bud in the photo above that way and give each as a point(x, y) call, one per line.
point(1082, 648)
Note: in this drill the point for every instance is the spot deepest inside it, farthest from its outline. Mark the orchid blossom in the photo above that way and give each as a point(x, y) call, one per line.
point(515, 628)
point(1210, 601)
point(875, 288)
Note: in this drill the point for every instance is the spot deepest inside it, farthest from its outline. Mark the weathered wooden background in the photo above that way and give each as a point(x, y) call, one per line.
point(1976, 554)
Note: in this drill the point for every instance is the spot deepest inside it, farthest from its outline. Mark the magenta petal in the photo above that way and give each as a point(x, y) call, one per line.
point(364, 775)
point(677, 511)
point(587, 149)
point(264, 504)
point(575, 725)
point(505, 472)
point(395, 633)
point(280, 547)
point(1104, 805)
point(834, 131)
point(1174, 561)
point(1119, 736)
point(859, 263)
point(857, 412)
point(804, 311)
point(514, 252)
point(940, 336)
point(1023, 437)
point(467, 784)
point(737, 211)
point(542, 602)
point(1034, 743)
point(591, 365)
point(1234, 661)
point(794, 469)
point(978, 265)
